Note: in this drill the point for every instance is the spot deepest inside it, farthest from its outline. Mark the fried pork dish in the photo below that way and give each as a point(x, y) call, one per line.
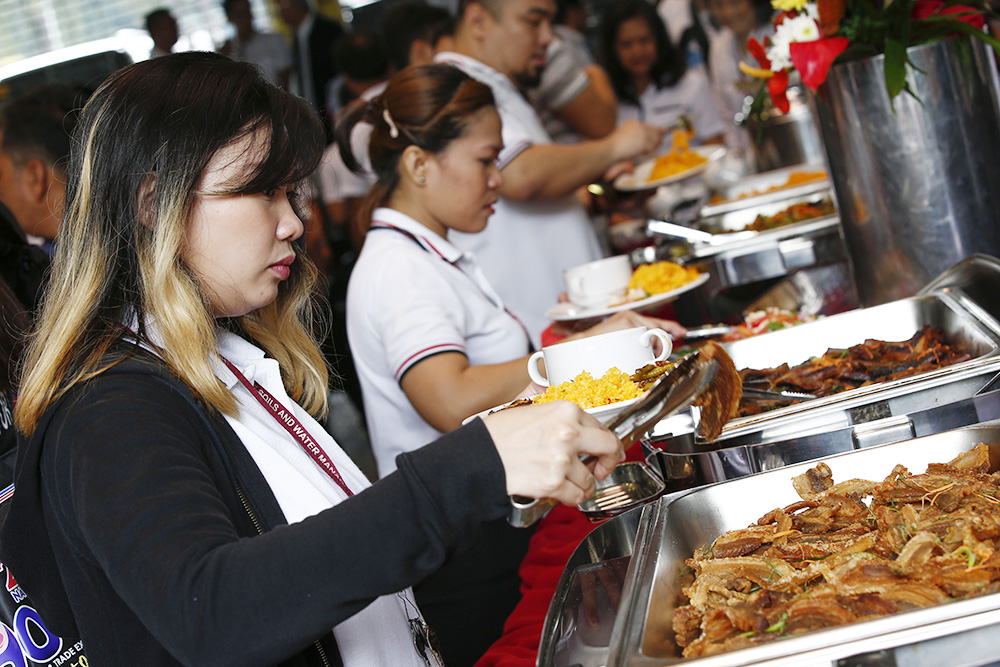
point(832, 558)
point(870, 362)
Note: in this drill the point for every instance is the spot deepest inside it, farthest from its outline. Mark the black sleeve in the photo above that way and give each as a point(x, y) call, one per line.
point(131, 482)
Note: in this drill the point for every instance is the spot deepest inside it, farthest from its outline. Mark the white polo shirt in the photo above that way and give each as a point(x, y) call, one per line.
point(412, 295)
point(692, 95)
point(527, 244)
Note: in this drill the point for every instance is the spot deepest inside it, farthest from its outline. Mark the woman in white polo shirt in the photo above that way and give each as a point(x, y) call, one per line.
point(431, 339)
point(650, 77)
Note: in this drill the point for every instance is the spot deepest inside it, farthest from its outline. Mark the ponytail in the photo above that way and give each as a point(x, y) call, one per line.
point(426, 106)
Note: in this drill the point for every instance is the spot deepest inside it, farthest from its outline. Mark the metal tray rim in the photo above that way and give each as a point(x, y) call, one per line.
point(730, 205)
point(986, 326)
point(628, 632)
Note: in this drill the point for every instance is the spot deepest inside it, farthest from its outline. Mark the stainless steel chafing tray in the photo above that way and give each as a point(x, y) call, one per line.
point(919, 405)
point(670, 530)
point(744, 258)
point(739, 219)
point(740, 194)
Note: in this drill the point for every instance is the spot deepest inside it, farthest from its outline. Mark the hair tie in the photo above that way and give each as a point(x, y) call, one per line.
point(393, 130)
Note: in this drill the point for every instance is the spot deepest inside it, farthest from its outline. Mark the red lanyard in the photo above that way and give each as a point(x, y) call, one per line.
point(288, 421)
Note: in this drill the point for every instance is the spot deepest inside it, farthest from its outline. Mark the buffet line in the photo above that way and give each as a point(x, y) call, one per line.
point(862, 390)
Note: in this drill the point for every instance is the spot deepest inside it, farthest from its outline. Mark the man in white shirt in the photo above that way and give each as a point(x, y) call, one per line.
point(269, 50)
point(539, 228)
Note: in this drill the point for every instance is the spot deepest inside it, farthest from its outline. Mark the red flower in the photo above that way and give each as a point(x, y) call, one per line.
point(923, 9)
point(970, 15)
point(813, 59)
point(777, 87)
point(830, 13)
point(756, 49)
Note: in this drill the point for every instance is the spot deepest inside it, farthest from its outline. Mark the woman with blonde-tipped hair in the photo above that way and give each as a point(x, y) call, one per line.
point(177, 501)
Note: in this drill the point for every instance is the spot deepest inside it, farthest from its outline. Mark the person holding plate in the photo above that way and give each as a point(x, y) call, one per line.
point(431, 339)
point(177, 500)
point(650, 77)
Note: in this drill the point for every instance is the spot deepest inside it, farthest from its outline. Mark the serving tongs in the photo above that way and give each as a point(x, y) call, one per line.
point(632, 484)
point(694, 236)
point(755, 394)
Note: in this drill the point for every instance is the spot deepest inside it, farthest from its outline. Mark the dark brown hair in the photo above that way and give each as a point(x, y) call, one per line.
point(427, 106)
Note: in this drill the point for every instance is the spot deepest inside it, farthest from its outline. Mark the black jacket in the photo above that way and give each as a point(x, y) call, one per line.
point(323, 38)
point(134, 504)
point(24, 267)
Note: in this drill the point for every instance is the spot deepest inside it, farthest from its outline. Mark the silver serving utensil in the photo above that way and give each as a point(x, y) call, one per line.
point(707, 331)
point(755, 394)
point(670, 393)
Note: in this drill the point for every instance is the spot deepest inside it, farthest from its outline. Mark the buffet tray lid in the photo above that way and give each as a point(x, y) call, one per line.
point(682, 521)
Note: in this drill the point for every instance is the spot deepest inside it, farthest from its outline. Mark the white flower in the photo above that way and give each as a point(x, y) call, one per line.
point(802, 28)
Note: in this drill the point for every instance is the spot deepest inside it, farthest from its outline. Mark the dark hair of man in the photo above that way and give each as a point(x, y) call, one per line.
point(361, 56)
point(494, 7)
point(227, 5)
point(405, 23)
point(763, 12)
point(155, 17)
point(669, 66)
point(39, 124)
point(563, 7)
point(429, 107)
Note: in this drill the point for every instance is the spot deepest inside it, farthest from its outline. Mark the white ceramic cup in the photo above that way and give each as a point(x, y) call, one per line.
point(626, 350)
point(595, 283)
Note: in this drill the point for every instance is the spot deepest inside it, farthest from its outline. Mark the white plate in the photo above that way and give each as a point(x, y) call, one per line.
point(604, 413)
point(562, 312)
point(639, 178)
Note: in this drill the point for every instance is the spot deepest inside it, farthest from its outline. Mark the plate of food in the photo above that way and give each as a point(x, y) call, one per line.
point(604, 397)
point(675, 165)
point(651, 285)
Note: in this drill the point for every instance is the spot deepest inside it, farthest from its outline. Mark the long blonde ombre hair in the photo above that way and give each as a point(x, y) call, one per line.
point(139, 151)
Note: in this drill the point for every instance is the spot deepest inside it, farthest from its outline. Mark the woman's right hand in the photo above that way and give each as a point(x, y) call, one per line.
point(541, 445)
point(634, 138)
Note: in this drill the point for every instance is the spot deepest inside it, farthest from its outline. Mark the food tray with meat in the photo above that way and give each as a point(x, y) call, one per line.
point(766, 187)
point(808, 208)
point(917, 562)
point(973, 339)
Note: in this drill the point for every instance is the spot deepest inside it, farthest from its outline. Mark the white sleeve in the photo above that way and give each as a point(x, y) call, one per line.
point(336, 180)
point(563, 78)
point(421, 314)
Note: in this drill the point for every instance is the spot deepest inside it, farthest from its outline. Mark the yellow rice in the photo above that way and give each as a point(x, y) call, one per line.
point(661, 277)
point(585, 391)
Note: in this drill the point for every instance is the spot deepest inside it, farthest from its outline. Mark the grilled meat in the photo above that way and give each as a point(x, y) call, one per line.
point(832, 558)
point(871, 362)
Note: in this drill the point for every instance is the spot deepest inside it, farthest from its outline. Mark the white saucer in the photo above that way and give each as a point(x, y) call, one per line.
point(571, 311)
point(639, 178)
point(603, 413)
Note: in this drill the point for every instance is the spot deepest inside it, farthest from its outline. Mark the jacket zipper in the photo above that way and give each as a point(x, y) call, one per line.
point(260, 531)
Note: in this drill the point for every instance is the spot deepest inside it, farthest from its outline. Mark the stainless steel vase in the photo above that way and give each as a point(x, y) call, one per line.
point(918, 186)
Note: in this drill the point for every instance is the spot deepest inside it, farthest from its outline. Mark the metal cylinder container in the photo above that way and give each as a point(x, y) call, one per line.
point(917, 181)
point(784, 139)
